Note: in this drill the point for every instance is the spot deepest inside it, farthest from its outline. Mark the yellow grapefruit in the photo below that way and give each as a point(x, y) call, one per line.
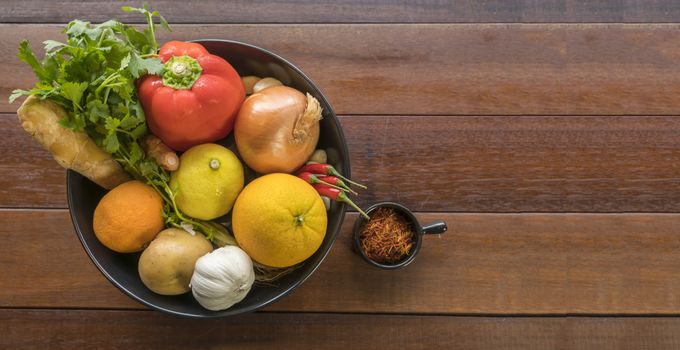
point(279, 220)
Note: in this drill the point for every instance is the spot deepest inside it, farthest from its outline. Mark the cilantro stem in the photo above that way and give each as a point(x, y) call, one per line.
point(106, 82)
point(106, 95)
point(152, 29)
point(102, 36)
point(213, 234)
point(216, 235)
point(125, 132)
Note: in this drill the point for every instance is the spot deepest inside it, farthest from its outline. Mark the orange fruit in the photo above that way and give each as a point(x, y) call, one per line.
point(279, 220)
point(128, 217)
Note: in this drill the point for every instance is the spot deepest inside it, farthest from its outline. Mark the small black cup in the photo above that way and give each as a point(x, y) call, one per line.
point(436, 227)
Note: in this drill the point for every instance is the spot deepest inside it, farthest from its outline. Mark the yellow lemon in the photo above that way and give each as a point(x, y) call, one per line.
point(279, 220)
point(207, 182)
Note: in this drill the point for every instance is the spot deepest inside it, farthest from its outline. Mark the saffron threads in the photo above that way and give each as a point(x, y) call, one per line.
point(386, 238)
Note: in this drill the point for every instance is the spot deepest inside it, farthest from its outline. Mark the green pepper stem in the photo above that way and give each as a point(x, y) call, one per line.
point(181, 72)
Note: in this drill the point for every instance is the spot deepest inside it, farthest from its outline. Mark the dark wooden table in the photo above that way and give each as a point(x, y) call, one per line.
point(547, 134)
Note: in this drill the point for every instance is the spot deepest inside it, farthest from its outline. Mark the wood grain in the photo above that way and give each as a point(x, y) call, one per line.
point(71, 329)
point(324, 11)
point(449, 69)
point(454, 120)
point(486, 264)
point(29, 175)
point(461, 164)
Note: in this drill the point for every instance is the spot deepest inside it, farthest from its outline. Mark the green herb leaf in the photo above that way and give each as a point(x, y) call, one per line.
point(136, 153)
point(111, 124)
point(16, 94)
point(111, 144)
point(139, 131)
point(50, 45)
point(138, 111)
point(97, 110)
point(75, 121)
point(164, 23)
point(130, 121)
point(126, 92)
point(26, 54)
point(140, 66)
point(76, 28)
point(129, 9)
point(148, 168)
point(125, 62)
point(74, 91)
point(114, 25)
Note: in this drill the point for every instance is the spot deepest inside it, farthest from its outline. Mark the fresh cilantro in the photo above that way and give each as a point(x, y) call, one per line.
point(150, 32)
point(26, 54)
point(92, 76)
point(111, 143)
point(97, 110)
point(50, 45)
point(17, 93)
point(76, 28)
point(139, 66)
point(74, 92)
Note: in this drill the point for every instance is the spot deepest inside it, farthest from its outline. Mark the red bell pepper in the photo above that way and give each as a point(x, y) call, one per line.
point(195, 100)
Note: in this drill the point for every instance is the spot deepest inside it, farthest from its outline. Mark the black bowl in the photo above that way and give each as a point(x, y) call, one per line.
point(121, 269)
point(437, 227)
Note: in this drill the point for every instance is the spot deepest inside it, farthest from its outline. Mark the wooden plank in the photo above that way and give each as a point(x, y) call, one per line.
point(518, 164)
point(29, 175)
point(149, 330)
point(419, 69)
point(461, 164)
point(325, 11)
point(71, 329)
point(486, 264)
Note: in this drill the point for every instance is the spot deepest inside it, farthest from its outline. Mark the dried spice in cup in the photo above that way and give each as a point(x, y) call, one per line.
point(387, 237)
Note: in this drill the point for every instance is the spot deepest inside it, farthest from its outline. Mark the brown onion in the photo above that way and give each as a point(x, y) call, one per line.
point(277, 129)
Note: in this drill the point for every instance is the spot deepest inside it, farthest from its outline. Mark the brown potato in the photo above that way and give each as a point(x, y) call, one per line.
point(167, 264)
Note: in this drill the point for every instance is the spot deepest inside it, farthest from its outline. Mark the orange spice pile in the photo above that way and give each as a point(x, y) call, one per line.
point(386, 238)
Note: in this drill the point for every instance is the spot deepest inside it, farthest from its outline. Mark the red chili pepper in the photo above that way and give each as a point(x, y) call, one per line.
point(314, 179)
point(338, 196)
point(326, 169)
point(334, 180)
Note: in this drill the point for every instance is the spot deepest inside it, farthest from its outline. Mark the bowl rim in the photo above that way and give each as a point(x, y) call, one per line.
point(70, 176)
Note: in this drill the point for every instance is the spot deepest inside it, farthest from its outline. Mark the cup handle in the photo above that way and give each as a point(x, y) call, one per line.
point(437, 227)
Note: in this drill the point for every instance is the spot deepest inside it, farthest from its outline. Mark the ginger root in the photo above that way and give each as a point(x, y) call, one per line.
point(160, 152)
point(71, 149)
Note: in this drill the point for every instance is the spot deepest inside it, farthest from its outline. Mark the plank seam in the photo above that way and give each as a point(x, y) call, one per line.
point(431, 212)
point(385, 314)
point(363, 23)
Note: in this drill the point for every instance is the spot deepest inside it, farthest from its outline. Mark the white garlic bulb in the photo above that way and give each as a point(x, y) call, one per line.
point(222, 278)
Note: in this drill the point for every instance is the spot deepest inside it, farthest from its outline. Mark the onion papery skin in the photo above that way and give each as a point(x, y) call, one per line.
point(269, 134)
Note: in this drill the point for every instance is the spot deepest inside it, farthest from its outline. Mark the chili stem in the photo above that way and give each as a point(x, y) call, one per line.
point(343, 198)
point(334, 172)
